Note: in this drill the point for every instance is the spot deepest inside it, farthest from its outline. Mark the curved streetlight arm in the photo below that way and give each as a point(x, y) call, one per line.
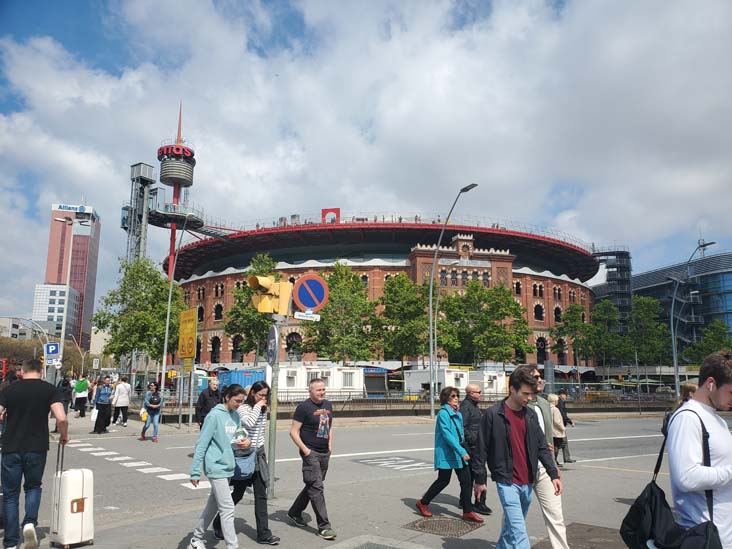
point(170, 299)
point(432, 338)
point(82, 355)
point(677, 281)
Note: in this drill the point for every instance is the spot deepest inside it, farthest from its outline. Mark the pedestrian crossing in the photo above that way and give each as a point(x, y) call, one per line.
point(143, 467)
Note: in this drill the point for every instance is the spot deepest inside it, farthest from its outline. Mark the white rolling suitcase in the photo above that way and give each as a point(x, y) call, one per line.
point(72, 522)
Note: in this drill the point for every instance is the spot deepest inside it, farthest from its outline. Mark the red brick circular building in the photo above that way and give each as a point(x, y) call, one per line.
point(546, 270)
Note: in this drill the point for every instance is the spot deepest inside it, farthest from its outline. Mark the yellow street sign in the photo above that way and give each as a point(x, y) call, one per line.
point(187, 334)
point(187, 365)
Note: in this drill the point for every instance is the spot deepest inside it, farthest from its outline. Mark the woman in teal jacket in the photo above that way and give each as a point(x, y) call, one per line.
point(220, 436)
point(450, 455)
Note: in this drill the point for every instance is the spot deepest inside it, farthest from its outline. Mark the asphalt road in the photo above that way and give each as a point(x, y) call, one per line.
point(142, 497)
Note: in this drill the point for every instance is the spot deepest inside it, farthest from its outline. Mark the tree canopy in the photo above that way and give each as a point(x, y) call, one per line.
point(403, 321)
point(714, 337)
point(343, 332)
point(134, 313)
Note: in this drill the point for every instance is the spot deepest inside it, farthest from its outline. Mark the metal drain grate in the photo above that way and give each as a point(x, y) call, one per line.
point(443, 526)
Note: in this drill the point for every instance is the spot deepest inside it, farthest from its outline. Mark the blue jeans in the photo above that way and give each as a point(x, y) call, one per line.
point(16, 467)
point(515, 500)
point(153, 419)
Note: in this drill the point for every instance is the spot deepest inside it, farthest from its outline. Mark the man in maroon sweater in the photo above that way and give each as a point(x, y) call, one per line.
point(512, 443)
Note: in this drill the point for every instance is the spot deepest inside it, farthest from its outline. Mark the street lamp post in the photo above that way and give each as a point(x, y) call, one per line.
point(431, 313)
point(170, 300)
point(82, 355)
point(677, 281)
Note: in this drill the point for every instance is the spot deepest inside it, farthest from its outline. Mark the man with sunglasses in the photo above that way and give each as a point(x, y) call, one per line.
point(550, 503)
point(470, 409)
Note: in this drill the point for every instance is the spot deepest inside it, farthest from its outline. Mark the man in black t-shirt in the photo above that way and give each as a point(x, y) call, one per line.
point(312, 433)
point(26, 404)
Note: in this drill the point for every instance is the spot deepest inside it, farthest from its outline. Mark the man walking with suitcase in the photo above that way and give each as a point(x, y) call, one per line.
point(26, 405)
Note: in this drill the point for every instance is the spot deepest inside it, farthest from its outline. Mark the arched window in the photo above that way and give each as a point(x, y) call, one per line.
point(475, 276)
point(198, 350)
point(582, 298)
point(200, 313)
point(464, 278)
point(561, 353)
point(238, 284)
point(535, 287)
point(517, 287)
point(538, 312)
point(584, 319)
point(541, 290)
point(443, 278)
point(219, 312)
point(487, 279)
point(215, 349)
point(453, 278)
point(557, 314)
point(541, 350)
point(365, 280)
point(559, 294)
point(237, 354)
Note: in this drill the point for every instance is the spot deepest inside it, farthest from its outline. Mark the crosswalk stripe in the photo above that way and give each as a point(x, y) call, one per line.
point(91, 449)
point(136, 464)
point(154, 470)
point(120, 458)
point(175, 476)
point(77, 444)
point(105, 453)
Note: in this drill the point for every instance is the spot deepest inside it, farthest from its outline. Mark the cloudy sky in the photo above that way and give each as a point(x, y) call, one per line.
point(609, 120)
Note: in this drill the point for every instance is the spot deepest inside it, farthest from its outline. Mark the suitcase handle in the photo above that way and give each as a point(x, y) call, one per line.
point(60, 457)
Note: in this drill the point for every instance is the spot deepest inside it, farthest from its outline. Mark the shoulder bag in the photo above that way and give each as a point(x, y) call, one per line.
point(650, 519)
point(244, 465)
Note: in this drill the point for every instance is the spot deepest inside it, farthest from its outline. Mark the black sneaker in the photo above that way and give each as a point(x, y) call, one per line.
point(297, 520)
point(271, 540)
point(570, 461)
point(482, 509)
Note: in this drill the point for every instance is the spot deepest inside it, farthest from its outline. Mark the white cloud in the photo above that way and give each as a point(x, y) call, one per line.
point(609, 120)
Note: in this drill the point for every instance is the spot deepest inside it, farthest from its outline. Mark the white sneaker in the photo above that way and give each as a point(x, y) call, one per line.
point(197, 544)
point(30, 539)
point(124, 424)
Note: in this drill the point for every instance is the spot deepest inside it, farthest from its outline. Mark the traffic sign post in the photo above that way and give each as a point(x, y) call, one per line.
point(310, 293)
point(273, 357)
point(307, 315)
point(95, 364)
point(51, 353)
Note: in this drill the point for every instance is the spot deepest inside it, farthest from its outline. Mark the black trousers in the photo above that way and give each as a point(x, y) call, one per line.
point(103, 417)
point(443, 479)
point(117, 410)
point(314, 469)
point(260, 503)
point(80, 405)
point(473, 452)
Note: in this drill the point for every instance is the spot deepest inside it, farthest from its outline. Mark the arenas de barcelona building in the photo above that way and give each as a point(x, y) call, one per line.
point(545, 270)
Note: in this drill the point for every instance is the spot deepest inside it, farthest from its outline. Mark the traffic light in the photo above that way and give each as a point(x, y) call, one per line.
point(270, 296)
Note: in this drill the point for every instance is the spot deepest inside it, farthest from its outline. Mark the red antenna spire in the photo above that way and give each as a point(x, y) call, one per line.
point(178, 140)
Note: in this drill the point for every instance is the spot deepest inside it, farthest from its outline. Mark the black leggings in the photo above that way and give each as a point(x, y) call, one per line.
point(443, 479)
point(117, 410)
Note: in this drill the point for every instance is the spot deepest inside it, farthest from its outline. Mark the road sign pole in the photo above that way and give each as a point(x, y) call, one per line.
point(272, 447)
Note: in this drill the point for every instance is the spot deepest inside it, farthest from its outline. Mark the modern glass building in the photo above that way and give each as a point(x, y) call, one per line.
point(704, 293)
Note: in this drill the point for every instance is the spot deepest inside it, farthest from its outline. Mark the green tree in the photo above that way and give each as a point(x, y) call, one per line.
point(242, 318)
point(649, 337)
point(714, 337)
point(484, 324)
point(404, 323)
point(343, 332)
point(604, 341)
point(573, 332)
point(134, 313)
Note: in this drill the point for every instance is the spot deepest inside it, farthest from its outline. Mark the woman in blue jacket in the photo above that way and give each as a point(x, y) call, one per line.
point(450, 455)
point(153, 405)
point(220, 436)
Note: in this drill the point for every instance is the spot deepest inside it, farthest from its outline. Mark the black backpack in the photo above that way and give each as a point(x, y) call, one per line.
point(651, 518)
point(155, 399)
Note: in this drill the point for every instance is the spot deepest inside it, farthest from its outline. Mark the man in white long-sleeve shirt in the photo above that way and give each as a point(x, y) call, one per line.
point(689, 477)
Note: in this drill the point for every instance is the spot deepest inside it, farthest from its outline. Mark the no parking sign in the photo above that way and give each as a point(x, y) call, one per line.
point(310, 293)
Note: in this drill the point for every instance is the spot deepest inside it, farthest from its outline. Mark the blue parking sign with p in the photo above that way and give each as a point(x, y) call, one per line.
point(52, 350)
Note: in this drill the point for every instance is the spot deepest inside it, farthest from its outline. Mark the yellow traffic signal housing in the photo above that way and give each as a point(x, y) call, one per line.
point(270, 296)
